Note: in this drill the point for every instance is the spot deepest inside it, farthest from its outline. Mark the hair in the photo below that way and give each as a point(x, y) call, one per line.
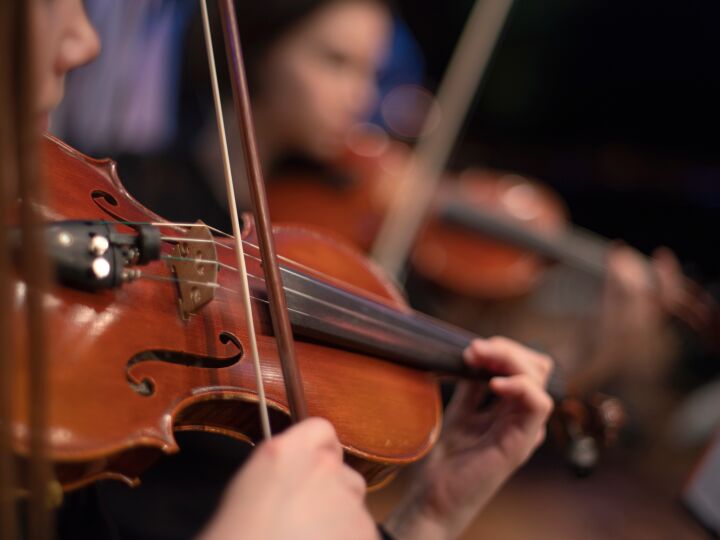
point(261, 24)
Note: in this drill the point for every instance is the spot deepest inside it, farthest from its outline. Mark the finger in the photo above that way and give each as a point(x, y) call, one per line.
point(330, 472)
point(666, 261)
point(523, 391)
point(627, 272)
point(503, 356)
point(466, 399)
point(669, 275)
point(312, 434)
point(354, 481)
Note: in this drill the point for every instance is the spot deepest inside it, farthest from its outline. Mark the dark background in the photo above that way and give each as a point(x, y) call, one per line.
point(613, 104)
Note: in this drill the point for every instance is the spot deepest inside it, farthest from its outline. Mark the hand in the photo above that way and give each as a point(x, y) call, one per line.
point(657, 288)
point(669, 278)
point(480, 447)
point(681, 297)
point(631, 333)
point(295, 486)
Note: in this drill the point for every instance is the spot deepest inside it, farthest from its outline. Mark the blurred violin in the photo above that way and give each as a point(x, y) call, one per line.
point(487, 235)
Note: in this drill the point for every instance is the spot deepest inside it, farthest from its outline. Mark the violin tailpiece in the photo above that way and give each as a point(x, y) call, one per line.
point(191, 264)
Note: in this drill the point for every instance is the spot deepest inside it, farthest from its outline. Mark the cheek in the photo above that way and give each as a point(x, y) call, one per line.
point(322, 116)
point(308, 104)
point(304, 88)
point(303, 99)
point(321, 97)
point(328, 101)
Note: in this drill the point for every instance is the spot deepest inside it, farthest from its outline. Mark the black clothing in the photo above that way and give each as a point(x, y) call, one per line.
point(175, 500)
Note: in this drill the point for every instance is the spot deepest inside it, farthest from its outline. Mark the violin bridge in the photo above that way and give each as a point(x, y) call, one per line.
point(194, 263)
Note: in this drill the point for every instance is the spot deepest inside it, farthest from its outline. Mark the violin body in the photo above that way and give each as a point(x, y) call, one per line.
point(126, 369)
point(457, 258)
point(352, 202)
point(477, 265)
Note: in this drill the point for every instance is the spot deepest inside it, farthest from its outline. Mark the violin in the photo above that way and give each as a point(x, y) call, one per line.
point(488, 234)
point(165, 347)
point(146, 337)
point(145, 334)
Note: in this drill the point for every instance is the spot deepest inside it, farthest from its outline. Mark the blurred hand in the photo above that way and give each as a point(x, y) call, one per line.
point(653, 290)
point(295, 486)
point(480, 447)
point(631, 281)
point(632, 331)
point(670, 279)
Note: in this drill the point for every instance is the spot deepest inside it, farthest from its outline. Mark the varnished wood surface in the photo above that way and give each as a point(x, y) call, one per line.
point(385, 415)
point(478, 265)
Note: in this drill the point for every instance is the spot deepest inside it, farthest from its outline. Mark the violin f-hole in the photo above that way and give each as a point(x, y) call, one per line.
point(145, 386)
point(105, 201)
point(100, 194)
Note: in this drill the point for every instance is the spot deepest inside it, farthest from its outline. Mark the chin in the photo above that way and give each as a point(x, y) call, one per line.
point(43, 122)
point(52, 96)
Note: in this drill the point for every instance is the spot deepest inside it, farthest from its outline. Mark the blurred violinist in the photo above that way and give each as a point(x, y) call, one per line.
point(313, 69)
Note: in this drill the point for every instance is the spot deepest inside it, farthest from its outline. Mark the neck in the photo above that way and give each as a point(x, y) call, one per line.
point(573, 247)
point(364, 325)
point(360, 324)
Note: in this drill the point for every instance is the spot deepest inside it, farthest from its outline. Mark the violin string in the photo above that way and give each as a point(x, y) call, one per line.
point(178, 239)
point(232, 268)
point(199, 261)
point(307, 316)
point(259, 279)
point(653, 287)
point(689, 313)
point(232, 206)
point(259, 260)
point(175, 240)
point(302, 314)
point(209, 285)
point(262, 279)
point(170, 224)
point(688, 304)
point(170, 279)
point(186, 225)
point(254, 257)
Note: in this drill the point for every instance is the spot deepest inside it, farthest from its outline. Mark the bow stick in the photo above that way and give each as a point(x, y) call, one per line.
point(232, 207)
point(275, 291)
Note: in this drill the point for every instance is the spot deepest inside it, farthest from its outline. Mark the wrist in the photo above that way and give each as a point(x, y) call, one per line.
point(426, 513)
point(432, 510)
